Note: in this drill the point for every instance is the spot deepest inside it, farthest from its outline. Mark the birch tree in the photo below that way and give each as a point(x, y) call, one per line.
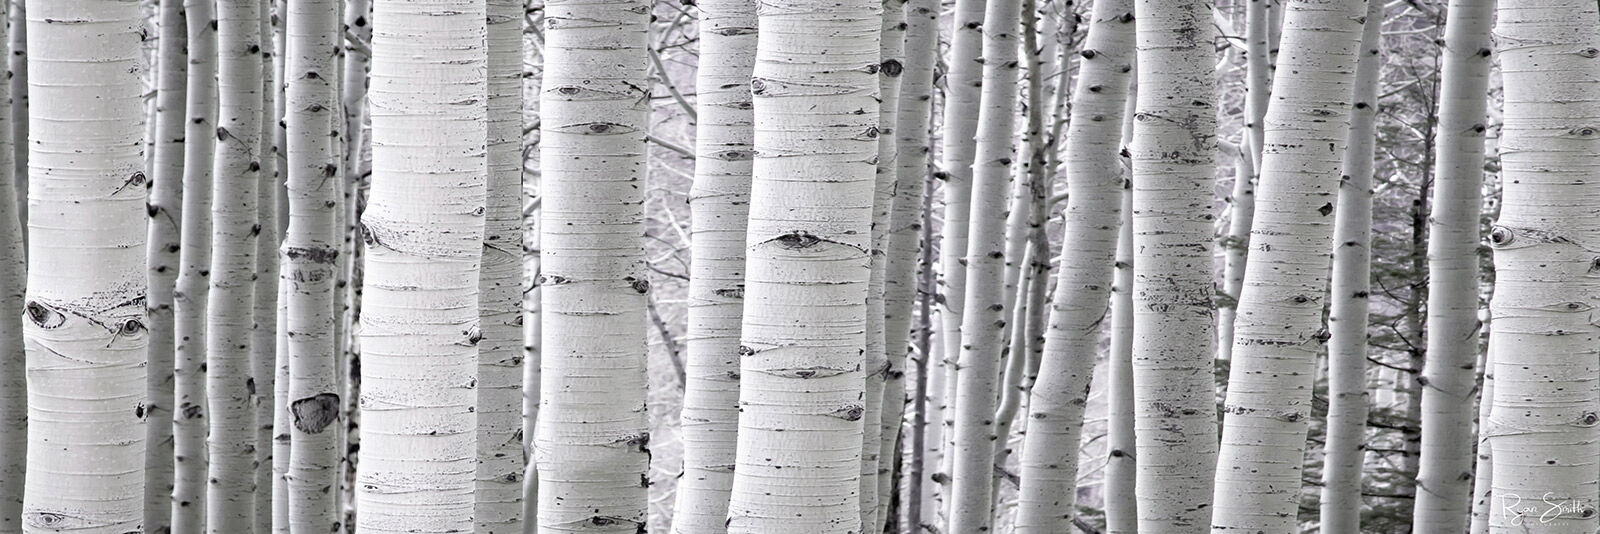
point(194, 257)
point(1049, 459)
point(236, 173)
point(592, 441)
point(264, 315)
point(815, 87)
point(1122, 502)
point(1345, 447)
point(1542, 339)
point(719, 204)
point(1445, 474)
point(891, 48)
point(424, 236)
point(500, 459)
point(1278, 332)
point(165, 241)
point(1259, 54)
point(915, 103)
point(13, 358)
point(83, 321)
point(310, 248)
point(1174, 136)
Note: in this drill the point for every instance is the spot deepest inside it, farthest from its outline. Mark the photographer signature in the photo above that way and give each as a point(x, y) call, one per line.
point(1514, 510)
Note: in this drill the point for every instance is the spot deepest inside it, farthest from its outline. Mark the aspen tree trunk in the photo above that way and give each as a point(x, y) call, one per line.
point(1049, 459)
point(264, 334)
point(310, 250)
point(1445, 474)
point(1344, 450)
point(280, 366)
point(165, 210)
point(1542, 333)
point(531, 321)
point(983, 318)
point(18, 79)
point(236, 173)
point(13, 359)
point(501, 465)
point(914, 515)
point(1122, 505)
point(592, 442)
point(915, 106)
point(190, 298)
point(719, 204)
point(1483, 475)
point(424, 234)
point(962, 82)
point(84, 317)
point(1174, 136)
point(873, 460)
point(815, 89)
point(1258, 79)
point(1276, 338)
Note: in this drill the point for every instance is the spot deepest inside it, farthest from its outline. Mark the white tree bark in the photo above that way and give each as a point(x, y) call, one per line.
point(1122, 504)
point(983, 318)
point(915, 102)
point(1236, 246)
point(1483, 475)
point(264, 334)
point(1174, 137)
point(1278, 332)
point(878, 368)
point(165, 211)
point(84, 317)
point(1095, 182)
point(190, 298)
point(18, 80)
point(815, 86)
point(1345, 446)
point(13, 359)
point(1542, 336)
point(501, 464)
point(236, 173)
point(424, 235)
point(592, 443)
point(960, 126)
point(1444, 479)
point(310, 248)
point(719, 204)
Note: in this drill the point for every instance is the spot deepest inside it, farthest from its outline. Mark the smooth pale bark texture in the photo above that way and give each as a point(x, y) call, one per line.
point(1095, 182)
point(815, 89)
point(13, 373)
point(1242, 203)
point(592, 442)
point(962, 82)
point(264, 334)
point(873, 459)
point(1444, 479)
point(189, 424)
point(906, 226)
point(983, 318)
point(1483, 475)
point(424, 236)
point(310, 249)
point(1345, 447)
point(18, 80)
point(500, 460)
point(236, 174)
point(280, 365)
point(1279, 327)
point(84, 317)
point(165, 211)
point(1174, 137)
point(1543, 337)
point(719, 206)
point(1122, 505)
